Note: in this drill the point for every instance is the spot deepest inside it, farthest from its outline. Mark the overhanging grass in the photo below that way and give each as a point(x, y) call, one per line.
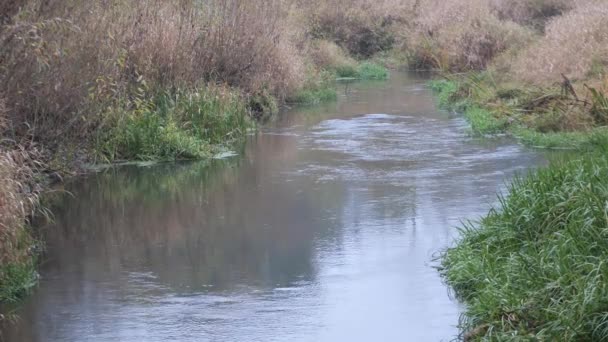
point(314, 95)
point(179, 125)
point(535, 268)
point(16, 280)
point(17, 273)
point(484, 122)
point(319, 87)
point(594, 139)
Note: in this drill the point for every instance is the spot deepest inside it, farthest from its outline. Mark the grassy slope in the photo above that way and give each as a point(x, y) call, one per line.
point(535, 267)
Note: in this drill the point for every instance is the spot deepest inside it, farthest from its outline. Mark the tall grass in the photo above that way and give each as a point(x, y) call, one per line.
point(459, 35)
point(574, 44)
point(176, 125)
point(535, 267)
point(63, 64)
point(17, 199)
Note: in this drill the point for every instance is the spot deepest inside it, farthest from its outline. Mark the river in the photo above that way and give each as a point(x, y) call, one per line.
point(324, 228)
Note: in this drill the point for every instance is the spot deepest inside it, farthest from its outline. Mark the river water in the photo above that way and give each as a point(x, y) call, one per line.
point(324, 228)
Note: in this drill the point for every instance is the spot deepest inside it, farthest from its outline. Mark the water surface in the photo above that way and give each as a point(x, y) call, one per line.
point(323, 229)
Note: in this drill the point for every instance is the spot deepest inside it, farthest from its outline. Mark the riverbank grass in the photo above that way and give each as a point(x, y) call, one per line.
point(16, 280)
point(177, 125)
point(537, 117)
point(17, 264)
point(362, 71)
point(319, 86)
point(535, 267)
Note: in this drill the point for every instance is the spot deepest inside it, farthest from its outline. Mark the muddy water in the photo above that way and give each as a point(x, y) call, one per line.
point(324, 229)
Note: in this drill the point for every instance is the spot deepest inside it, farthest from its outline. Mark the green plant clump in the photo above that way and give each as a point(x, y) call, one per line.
point(372, 71)
point(535, 268)
point(177, 125)
point(319, 86)
point(16, 280)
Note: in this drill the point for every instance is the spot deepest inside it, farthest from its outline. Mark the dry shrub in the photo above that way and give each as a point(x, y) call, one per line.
point(534, 13)
point(63, 62)
point(460, 35)
point(362, 27)
point(8, 8)
point(574, 44)
point(328, 55)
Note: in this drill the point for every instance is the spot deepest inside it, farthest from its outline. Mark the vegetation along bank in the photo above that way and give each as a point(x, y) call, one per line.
point(85, 83)
point(534, 267)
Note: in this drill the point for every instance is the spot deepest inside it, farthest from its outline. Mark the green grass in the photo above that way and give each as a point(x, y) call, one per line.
point(319, 87)
point(313, 95)
point(535, 268)
point(484, 122)
point(347, 71)
point(16, 280)
point(372, 71)
point(174, 126)
point(493, 109)
point(594, 139)
point(363, 71)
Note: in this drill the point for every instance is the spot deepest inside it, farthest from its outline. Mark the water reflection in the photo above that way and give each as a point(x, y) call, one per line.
point(323, 230)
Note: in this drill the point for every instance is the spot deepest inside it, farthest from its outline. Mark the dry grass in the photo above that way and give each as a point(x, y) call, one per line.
point(533, 13)
point(361, 27)
point(18, 197)
point(460, 35)
point(328, 55)
point(11, 212)
point(62, 62)
point(575, 44)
